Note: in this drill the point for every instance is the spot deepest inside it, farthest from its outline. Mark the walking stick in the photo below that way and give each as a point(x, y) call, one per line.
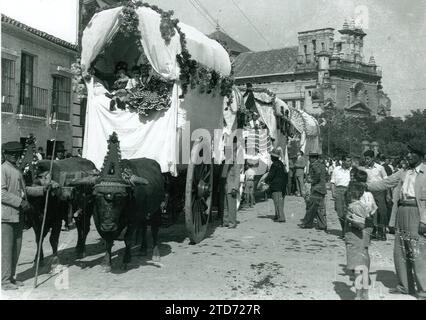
point(45, 208)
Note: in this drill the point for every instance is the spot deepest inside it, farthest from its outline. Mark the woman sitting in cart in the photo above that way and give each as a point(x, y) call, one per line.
point(118, 95)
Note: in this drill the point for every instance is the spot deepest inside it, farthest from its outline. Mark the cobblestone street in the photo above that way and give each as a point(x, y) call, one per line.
point(260, 259)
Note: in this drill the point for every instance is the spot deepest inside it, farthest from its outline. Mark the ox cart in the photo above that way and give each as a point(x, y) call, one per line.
point(179, 97)
point(268, 122)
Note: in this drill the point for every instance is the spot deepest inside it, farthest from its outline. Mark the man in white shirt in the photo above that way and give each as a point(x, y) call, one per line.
point(339, 184)
point(410, 235)
point(376, 172)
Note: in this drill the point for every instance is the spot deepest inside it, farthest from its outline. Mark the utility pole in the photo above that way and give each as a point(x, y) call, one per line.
point(80, 26)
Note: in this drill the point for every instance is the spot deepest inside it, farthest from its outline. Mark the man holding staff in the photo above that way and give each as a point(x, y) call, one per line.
point(14, 206)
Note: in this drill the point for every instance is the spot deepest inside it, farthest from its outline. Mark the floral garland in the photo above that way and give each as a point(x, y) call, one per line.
point(192, 74)
point(129, 24)
point(78, 85)
point(155, 95)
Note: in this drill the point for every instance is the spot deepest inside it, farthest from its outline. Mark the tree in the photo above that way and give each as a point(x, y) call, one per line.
point(344, 134)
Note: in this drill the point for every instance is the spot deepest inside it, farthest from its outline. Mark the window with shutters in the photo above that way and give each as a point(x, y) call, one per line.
point(33, 101)
point(61, 98)
point(7, 84)
point(27, 77)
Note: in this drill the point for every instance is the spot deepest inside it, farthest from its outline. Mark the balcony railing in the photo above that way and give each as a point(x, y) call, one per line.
point(61, 104)
point(296, 95)
point(6, 104)
point(355, 67)
point(33, 101)
point(8, 94)
point(306, 63)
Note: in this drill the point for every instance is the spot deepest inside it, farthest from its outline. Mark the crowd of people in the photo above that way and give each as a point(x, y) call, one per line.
point(60, 154)
point(373, 197)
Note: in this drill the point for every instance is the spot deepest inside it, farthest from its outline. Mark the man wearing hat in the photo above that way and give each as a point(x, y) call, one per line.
point(14, 205)
point(277, 181)
point(410, 236)
point(250, 103)
point(315, 205)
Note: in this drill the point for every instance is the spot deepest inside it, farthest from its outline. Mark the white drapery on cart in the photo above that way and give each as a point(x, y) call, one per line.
point(157, 135)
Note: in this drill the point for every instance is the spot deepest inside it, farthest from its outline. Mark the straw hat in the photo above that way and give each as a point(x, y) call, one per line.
point(276, 152)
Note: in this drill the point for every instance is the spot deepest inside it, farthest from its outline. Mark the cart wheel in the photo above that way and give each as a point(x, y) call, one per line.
point(198, 195)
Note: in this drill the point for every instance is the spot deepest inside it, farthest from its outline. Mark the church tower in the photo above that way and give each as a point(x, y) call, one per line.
point(352, 42)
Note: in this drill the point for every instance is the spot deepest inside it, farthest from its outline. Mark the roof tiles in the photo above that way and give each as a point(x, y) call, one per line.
point(232, 44)
point(277, 61)
point(41, 34)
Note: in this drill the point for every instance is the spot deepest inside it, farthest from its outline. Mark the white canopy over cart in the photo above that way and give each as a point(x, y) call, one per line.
point(157, 135)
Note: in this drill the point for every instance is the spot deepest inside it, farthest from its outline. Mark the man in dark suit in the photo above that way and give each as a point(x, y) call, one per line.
point(277, 181)
point(315, 204)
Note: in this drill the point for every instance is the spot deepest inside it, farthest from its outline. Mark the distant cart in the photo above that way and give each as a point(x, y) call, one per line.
point(281, 125)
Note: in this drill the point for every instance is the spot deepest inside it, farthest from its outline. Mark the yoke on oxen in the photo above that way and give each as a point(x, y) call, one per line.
point(66, 170)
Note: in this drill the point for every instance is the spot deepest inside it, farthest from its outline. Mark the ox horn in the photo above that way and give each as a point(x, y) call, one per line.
point(91, 180)
point(135, 180)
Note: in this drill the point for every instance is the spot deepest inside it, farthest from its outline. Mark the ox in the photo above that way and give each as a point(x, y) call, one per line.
point(62, 199)
point(128, 196)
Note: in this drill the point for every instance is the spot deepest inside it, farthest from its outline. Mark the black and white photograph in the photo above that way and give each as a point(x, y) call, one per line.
point(236, 151)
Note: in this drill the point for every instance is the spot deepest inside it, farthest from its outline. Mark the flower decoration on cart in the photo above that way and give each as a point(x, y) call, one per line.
point(78, 85)
point(153, 96)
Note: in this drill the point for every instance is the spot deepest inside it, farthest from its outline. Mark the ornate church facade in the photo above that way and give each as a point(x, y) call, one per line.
point(321, 72)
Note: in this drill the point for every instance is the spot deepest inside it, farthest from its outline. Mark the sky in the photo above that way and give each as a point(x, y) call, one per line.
point(56, 17)
point(395, 30)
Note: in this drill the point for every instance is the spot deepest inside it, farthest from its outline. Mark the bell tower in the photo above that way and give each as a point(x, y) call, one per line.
point(352, 42)
point(314, 42)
